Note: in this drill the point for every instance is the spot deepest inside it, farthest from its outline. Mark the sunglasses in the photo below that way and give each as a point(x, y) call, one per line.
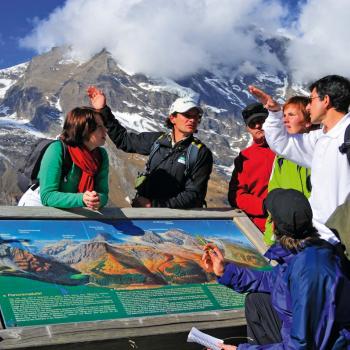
point(258, 120)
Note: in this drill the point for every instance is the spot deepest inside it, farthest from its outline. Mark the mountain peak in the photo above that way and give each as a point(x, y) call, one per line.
point(40, 94)
point(103, 237)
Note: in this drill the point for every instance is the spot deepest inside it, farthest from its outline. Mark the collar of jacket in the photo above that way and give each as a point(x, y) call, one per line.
point(167, 141)
point(339, 128)
point(279, 253)
point(262, 145)
point(283, 255)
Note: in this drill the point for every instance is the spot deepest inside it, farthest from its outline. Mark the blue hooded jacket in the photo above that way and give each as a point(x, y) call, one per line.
point(309, 292)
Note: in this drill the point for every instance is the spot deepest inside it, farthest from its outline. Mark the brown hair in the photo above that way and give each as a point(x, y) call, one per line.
point(79, 124)
point(168, 123)
point(301, 102)
point(296, 244)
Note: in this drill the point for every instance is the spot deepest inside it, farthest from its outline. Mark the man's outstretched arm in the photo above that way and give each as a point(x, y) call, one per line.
point(298, 148)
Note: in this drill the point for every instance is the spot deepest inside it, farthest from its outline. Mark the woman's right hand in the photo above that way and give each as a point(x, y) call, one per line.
point(213, 259)
point(91, 200)
point(97, 97)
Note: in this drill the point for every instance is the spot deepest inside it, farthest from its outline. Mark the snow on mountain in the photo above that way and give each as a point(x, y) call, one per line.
point(35, 96)
point(135, 122)
point(8, 123)
point(17, 70)
point(167, 85)
point(9, 77)
point(5, 85)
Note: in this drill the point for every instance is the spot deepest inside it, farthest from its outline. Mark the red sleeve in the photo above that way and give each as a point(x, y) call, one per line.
point(239, 195)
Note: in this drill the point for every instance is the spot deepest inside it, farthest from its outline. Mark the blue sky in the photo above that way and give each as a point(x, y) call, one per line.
point(16, 21)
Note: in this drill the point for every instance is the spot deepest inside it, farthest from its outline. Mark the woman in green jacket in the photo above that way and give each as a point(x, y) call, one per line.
point(86, 183)
point(286, 174)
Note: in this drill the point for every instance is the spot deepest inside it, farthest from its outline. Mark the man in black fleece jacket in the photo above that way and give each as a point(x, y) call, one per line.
point(166, 181)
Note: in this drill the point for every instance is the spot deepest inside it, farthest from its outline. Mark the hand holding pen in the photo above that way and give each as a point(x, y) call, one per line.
point(213, 259)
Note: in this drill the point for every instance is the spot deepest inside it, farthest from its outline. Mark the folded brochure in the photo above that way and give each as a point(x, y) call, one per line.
point(196, 336)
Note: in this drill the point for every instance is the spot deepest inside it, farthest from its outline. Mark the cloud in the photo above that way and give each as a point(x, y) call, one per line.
point(320, 43)
point(164, 38)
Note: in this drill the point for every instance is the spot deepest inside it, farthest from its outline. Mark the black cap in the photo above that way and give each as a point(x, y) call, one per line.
point(254, 110)
point(290, 211)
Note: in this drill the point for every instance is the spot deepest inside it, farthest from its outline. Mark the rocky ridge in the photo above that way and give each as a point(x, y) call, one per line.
point(35, 96)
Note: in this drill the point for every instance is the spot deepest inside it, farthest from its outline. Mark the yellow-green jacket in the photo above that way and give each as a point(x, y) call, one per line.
point(286, 174)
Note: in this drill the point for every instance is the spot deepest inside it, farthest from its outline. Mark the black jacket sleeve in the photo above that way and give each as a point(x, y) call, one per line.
point(193, 195)
point(127, 141)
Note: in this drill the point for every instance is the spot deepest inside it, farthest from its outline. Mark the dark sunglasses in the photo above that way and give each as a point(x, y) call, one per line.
point(258, 120)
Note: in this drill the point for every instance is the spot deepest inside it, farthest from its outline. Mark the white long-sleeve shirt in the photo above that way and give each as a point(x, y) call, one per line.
point(318, 150)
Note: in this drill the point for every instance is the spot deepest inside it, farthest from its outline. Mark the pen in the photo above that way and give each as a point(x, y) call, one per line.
point(203, 242)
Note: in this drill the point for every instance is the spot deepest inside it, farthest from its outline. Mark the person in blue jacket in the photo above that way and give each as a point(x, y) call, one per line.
point(309, 288)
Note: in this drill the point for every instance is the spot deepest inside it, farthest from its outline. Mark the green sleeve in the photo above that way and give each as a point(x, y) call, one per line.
point(273, 183)
point(101, 179)
point(269, 237)
point(50, 181)
point(275, 176)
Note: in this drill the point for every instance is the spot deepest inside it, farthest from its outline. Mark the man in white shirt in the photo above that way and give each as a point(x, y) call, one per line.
point(318, 150)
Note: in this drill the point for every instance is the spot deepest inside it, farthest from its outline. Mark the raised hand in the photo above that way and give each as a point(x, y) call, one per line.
point(96, 96)
point(264, 98)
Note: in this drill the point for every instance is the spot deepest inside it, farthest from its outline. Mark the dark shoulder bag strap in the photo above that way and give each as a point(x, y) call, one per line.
point(345, 147)
point(67, 161)
point(154, 149)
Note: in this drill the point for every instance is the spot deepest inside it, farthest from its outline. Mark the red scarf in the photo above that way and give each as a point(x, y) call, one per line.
point(89, 162)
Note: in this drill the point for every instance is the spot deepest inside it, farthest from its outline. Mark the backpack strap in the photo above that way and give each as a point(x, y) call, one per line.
point(67, 161)
point(192, 155)
point(154, 148)
point(345, 147)
point(66, 165)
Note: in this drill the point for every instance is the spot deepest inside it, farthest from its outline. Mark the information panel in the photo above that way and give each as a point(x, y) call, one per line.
point(71, 271)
